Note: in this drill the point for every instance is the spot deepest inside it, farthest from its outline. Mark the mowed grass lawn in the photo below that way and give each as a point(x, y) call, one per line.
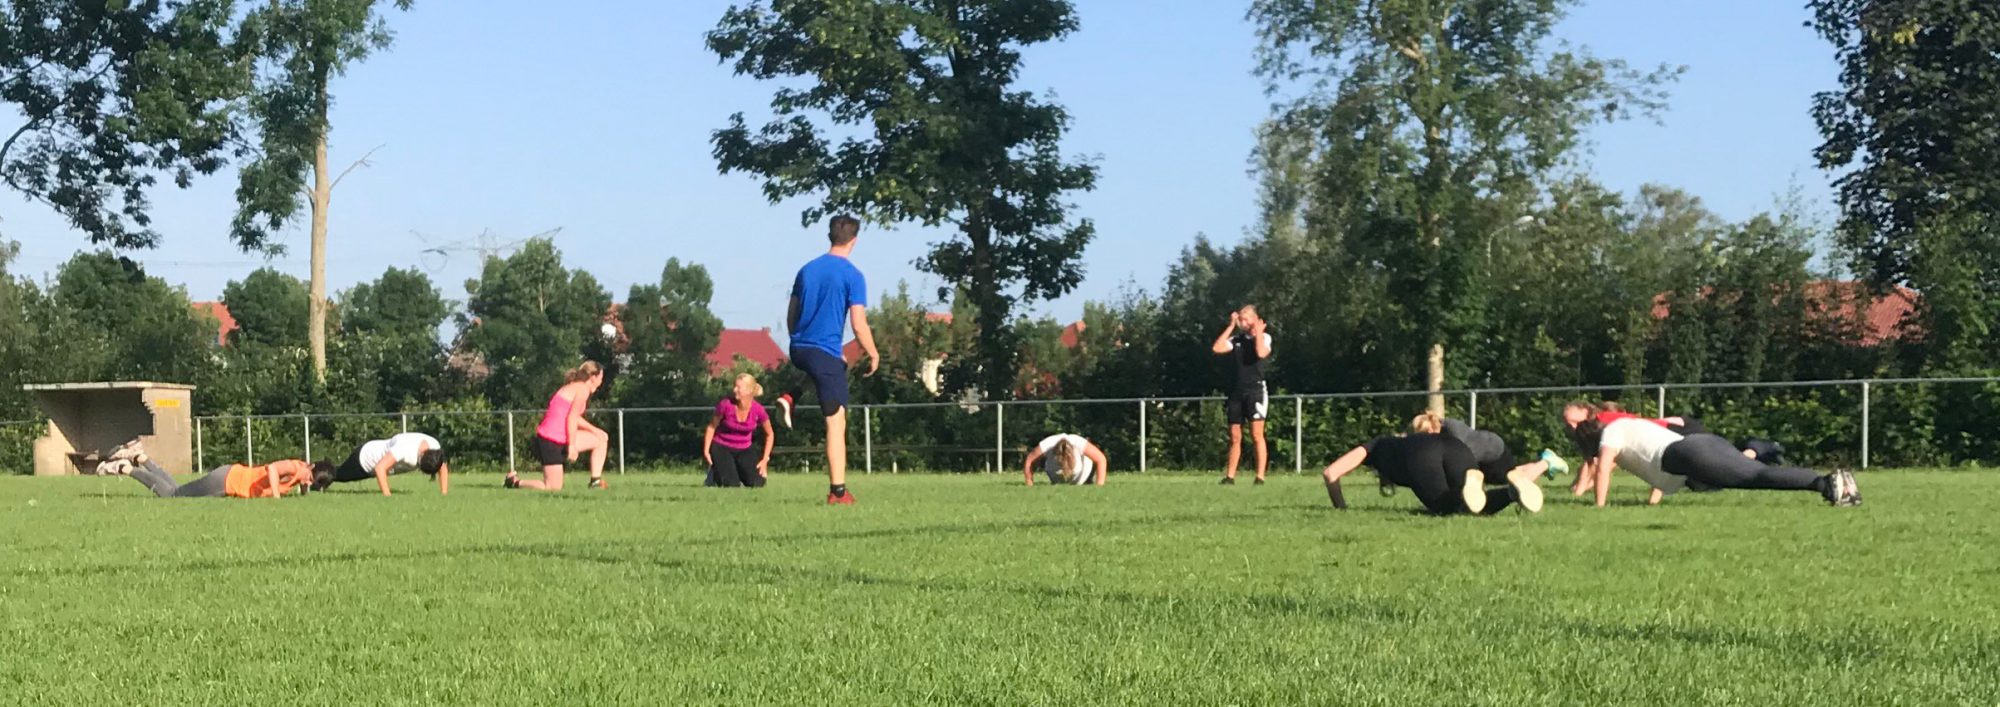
point(971, 590)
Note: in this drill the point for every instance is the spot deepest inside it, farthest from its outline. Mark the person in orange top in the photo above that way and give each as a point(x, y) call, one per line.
point(235, 480)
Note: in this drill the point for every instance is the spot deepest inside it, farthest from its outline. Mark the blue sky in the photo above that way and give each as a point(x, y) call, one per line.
point(517, 117)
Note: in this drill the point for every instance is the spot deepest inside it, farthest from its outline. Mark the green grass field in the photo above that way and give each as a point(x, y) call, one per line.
point(972, 590)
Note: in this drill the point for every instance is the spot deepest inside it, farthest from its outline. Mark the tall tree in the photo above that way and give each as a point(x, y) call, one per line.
point(113, 95)
point(1435, 119)
point(303, 45)
point(669, 331)
point(529, 318)
point(395, 321)
point(269, 308)
point(1911, 126)
point(937, 134)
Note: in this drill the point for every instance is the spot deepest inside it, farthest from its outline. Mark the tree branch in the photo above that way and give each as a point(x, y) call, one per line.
point(363, 162)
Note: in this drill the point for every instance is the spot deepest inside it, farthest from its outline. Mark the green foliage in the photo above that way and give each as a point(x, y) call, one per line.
point(1425, 127)
point(112, 96)
point(269, 308)
point(938, 134)
point(528, 319)
point(122, 324)
point(300, 46)
point(391, 325)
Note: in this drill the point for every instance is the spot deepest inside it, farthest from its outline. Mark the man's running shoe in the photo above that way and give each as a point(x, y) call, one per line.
point(1228, 481)
point(1474, 492)
point(1258, 482)
point(845, 499)
point(1557, 465)
point(785, 409)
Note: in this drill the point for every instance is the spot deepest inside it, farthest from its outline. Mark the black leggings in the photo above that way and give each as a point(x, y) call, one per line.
point(1433, 467)
point(1711, 461)
point(734, 467)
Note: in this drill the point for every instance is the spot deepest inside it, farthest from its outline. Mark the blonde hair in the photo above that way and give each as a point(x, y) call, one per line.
point(583, 372)
point(756, 388)
point(1429, 423)
point(1065, 453)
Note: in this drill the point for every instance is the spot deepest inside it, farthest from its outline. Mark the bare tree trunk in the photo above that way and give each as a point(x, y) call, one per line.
point(316, 314)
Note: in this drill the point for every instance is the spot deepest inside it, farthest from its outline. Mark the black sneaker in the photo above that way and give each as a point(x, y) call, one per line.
point(597, 482)
point(1386, 489)
point(1258, 482)
point(1228, 481)
point(512, 481)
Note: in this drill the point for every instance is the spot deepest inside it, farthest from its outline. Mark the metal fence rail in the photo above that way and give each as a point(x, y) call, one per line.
point(1830, 421)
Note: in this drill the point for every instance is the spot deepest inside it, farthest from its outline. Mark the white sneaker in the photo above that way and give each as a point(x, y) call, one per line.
point(785, 408)
point(1474, 491)
point(1530, 493)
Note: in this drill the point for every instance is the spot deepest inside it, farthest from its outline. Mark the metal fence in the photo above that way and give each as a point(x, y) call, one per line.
point(1903, 422)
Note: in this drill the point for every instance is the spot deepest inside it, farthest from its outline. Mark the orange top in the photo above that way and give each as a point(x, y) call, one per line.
point(254, 481)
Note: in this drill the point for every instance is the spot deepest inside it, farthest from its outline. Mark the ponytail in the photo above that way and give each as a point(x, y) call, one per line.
point(583, 372)
point(1429, 423)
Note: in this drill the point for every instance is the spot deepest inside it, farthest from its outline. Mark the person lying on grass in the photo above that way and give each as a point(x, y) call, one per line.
point(233, 480)
point(377, 459)
point(1067, 459)
point(1440, 470)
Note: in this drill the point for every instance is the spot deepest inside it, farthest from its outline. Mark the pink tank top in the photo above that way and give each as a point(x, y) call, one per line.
point(555, 422)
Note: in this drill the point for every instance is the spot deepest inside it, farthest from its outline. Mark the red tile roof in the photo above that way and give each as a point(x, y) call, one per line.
point(1884, 321)
point(757, 345)
point(220, 313)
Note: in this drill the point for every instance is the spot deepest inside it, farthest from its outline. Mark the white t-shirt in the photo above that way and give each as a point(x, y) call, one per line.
point(403, 447)
point(1053, 466)
point(1642, 445)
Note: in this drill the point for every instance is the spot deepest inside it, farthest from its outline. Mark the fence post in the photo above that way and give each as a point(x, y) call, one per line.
point(621, 440)
point(406, 423)
point(197, 444)
point(307, 419)
point(1864, 423)
point(249, 444)
point(1142, 436)
point(510, 441)
point(868, 439)
point(1298, 434)
point(999, 436)
point(1662, 408)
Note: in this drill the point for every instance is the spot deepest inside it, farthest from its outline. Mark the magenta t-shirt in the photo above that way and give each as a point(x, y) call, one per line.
point(734, 433)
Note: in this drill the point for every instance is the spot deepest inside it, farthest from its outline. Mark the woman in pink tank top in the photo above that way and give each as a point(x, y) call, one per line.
point(727, 443)
point(564, 434)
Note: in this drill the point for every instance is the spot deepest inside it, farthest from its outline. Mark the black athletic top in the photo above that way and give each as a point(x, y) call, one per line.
point(1249, 366)
point(1392, 452)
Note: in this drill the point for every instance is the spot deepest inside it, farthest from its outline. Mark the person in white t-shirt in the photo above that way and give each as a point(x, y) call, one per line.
point(1669, 461)
point(377, 459)
point(1067, 459)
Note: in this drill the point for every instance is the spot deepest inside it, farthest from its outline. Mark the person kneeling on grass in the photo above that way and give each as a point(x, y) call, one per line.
point(1440, 470)
point(377, 459)
point(564, 434)
point(234, 480)
point(726, 444)
point(1067, 459)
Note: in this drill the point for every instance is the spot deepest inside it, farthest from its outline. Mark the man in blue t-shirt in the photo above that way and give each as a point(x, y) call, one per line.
point(828, 295)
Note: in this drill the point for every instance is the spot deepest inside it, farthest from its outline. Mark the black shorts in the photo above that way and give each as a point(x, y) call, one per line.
point(1248, 406)
point(828, 373)
point(550, 452)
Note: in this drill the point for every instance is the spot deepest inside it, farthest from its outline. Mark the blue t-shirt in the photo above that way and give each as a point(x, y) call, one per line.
point(826, 287)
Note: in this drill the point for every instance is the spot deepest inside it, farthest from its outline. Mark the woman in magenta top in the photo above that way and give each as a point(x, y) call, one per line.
point(726, 444)
point(564, 434)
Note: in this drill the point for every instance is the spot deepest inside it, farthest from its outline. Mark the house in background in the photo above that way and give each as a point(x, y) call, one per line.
point(754, 345)
point(1886, 320)
point(224, 322)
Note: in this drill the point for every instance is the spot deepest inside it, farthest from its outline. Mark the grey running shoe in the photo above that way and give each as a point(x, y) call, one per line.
point(1850, 492)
